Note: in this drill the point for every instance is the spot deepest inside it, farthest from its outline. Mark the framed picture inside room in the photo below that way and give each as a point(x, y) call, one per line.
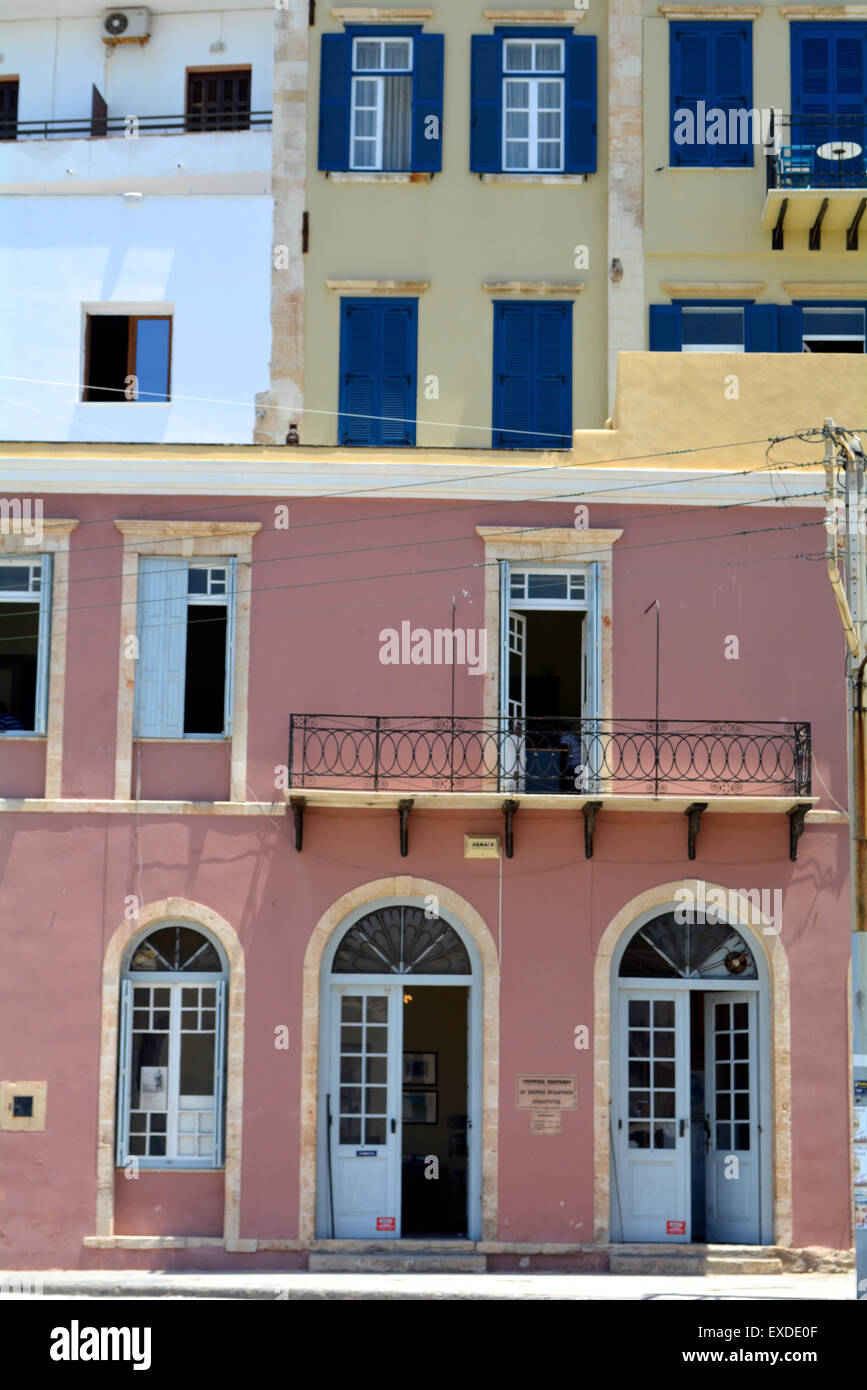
point(419, 1107)
point(419, 1069)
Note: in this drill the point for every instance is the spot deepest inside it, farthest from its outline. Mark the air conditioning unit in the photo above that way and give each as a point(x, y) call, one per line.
point(126, 26)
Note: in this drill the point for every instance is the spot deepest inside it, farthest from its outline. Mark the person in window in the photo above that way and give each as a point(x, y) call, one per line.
point(7, 720)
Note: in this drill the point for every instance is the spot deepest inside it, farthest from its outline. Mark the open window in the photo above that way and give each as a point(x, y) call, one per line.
point(550, 690)
point(25, 618)
point(186, 645)
point(127, 358)
point(171, 1062)
point(832, 329)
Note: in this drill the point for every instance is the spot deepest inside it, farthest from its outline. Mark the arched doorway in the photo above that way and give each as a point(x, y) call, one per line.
point(690, 1111)
point(399, 1105)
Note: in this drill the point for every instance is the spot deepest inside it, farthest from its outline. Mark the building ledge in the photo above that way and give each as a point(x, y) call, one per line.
point(376, 14)
point(571, 16)
point(85, 806)
point(327, 798)
point(801, 206)
point(570, 179)
point(374, 176)
point(831, 289)
point(710, 11)
point(712, 289)
point(541, 287)
point(378, 286)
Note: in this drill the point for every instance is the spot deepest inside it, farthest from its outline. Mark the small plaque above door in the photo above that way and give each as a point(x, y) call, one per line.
point(546, 1092)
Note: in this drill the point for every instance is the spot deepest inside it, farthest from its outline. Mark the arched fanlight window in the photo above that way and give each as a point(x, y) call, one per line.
point(171, 1051)
point(401, 941)
point(667, 949)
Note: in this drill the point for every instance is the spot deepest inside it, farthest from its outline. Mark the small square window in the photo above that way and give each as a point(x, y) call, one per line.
point(22, 1107)
point(127, 358)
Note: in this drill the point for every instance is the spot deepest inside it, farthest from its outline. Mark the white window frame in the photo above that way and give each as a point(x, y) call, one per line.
point(39, 588)
point(227, 600)
point(725, 309)
point(572, 601)
point(533, 76)
point(174, 981)
point(376, 76)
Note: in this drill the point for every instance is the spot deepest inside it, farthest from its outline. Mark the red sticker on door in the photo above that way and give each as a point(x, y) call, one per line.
point(385, 1223)
point(675, 1228)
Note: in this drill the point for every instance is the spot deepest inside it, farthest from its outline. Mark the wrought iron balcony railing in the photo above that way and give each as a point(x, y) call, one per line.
point(95, 127)
point(825, 152)
point(637, 757)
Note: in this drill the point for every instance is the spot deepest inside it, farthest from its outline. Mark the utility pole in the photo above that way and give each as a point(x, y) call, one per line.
point(844, 451)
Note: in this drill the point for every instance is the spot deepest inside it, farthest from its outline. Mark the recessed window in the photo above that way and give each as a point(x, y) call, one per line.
point(185, 632)
point(381, 103)
point(171, 1054)
point(8, 108)
point(218, 99)
point(533, 97)
point(833, 330)
point(712, 330)
point(25, 595)
point(127, 358)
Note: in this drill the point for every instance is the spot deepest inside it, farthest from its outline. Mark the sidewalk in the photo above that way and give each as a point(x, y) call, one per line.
point(131, 1284)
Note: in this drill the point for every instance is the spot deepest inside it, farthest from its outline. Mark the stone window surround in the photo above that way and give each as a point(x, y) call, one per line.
point(198, 915)
point(779, 1014)
point(547, 545)
point(55, 541)
point(370, 893)
point(187, 539)
point(538, 18)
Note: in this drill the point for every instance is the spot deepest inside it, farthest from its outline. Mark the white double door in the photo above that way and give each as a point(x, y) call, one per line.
point(364, 1102)
point(652, 1118)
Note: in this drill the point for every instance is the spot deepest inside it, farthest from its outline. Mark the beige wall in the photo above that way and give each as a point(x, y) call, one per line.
point(456, 232)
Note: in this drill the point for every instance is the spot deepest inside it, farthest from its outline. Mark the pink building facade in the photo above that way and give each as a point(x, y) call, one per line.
point(492, 959)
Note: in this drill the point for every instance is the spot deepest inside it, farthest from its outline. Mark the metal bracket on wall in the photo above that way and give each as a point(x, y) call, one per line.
point(796, 816)
point(509, 809)
point(298, 803)
point(403, 810)
point(693, 814)
point(852, 229)
point(588, 811)
point(777, 233)
point(816, 229)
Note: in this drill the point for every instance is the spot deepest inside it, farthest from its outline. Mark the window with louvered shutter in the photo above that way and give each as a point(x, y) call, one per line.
point(219, 99)
point(532, 398)
point(378, 372)
point(711, 95)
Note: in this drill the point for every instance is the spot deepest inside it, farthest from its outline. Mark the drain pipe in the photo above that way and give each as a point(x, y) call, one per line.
point(831, 557)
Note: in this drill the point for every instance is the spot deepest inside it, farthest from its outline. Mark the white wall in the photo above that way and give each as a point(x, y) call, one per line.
point(57, 62)
point(209, 257)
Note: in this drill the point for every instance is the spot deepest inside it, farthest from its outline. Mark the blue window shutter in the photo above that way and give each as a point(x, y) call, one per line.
point(733, 88)
point(162, 636)
point(486, 103)
point(122, 1110)
point(552, 376)
point(789, 328)
point(690, 67)
point(427, 102)
point(761, 328)
point(665, 331)
point(378, 372)
point(40, 718)
point(580, 105)
point(334, 102)
point(397, 354)
point(513, 351)
point(358, 344)
point(231, 608)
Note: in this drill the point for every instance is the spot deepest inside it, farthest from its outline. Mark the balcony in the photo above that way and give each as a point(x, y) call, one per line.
point(816, 178)
point(555, 763)
point(219, 152)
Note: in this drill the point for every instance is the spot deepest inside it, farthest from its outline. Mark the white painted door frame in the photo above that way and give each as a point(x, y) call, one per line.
point(472, 982)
